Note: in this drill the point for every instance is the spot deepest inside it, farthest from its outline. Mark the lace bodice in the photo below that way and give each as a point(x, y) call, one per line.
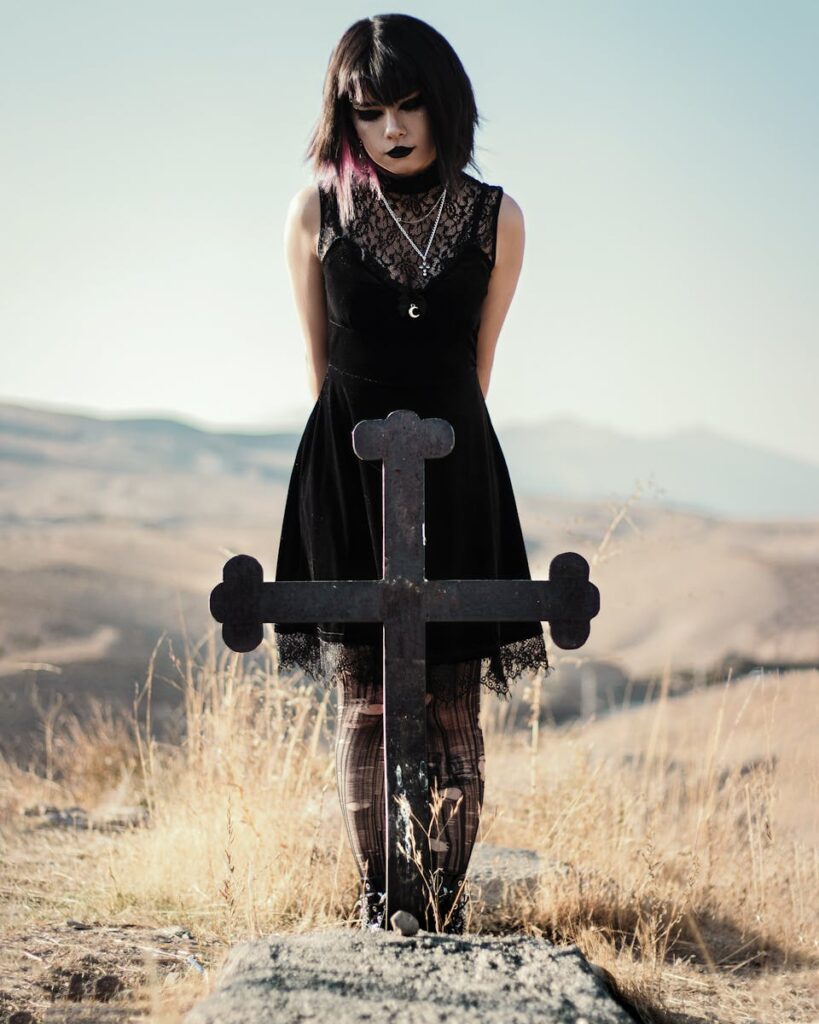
point(469, 217)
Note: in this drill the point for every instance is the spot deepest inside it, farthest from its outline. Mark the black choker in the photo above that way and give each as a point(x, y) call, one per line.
point(408, 184)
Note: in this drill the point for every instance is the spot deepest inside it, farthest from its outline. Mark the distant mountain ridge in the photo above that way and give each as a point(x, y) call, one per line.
point(131, 445)
point(694, 469)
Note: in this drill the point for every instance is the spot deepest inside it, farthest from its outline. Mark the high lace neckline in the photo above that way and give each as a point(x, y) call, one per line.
point(409, 184)
point(469, 214)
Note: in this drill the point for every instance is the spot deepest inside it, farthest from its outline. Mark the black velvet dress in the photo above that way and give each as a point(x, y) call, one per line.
point(381, 359)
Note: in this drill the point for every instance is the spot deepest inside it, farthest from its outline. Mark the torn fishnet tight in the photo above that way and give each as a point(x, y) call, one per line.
point(455, 763)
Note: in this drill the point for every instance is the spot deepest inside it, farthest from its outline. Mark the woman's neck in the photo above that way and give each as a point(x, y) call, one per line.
point(409, 184)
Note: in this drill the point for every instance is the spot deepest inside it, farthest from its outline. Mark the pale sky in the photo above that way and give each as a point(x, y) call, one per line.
point(665, 155)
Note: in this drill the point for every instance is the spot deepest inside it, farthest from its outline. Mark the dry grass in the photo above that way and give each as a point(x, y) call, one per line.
point(675, 855)
point(681, 837)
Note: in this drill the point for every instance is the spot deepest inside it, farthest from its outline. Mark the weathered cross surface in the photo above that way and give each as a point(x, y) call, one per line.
point(404, 601)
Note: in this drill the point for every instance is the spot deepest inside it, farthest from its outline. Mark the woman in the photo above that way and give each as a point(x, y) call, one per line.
point(403, 267)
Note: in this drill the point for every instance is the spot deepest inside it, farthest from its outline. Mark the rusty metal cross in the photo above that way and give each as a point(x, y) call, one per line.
point(404, 601)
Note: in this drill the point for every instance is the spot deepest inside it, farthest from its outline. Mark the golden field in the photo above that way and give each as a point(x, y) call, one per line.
point(679, 841)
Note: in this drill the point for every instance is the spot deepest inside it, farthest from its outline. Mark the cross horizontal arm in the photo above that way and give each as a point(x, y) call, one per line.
point(437, 600)
point(567, 601)
point(331, 601)
point(488, 600)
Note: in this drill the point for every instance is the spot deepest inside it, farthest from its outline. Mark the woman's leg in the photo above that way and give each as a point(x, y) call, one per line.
point(360, 772)
point(455, 764)
point(455, 761)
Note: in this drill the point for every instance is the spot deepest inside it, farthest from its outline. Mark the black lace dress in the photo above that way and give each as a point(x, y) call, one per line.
point(381, 359)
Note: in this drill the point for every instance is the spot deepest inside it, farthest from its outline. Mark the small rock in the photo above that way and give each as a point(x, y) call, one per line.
point(106, 987)
point(67, 817)
point(174, 931)
point(76, 987)
point(22, 1017)
point(119, 819)
point(404, 922)
point(193, 962)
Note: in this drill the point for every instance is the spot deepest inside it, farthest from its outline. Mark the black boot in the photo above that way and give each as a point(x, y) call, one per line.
point(453, 902)
point(453, 913)
point(371, 905)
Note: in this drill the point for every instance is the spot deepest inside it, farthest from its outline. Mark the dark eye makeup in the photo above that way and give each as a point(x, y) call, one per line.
point(372, 115)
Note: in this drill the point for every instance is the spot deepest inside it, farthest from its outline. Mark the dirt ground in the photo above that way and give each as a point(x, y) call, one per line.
point(64, 967)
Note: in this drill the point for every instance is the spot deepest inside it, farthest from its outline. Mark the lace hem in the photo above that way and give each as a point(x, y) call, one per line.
point(332, 663)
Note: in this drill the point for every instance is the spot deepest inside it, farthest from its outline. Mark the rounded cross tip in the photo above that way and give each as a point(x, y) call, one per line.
point(235, 603)
point(403, 433)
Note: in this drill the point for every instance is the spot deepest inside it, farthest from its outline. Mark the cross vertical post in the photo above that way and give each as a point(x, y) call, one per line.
point(403, 442)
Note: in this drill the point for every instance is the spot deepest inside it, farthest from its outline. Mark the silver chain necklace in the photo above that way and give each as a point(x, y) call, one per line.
point(423, 255)
point(424, 216)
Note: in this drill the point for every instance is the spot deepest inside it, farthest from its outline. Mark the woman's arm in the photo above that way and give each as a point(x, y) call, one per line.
point(307, 281)
point(503, 281)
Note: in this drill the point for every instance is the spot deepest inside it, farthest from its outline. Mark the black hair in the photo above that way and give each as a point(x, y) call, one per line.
point(381, 60)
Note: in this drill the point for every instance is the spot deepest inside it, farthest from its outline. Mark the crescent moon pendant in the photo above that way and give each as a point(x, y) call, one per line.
point(413, 311)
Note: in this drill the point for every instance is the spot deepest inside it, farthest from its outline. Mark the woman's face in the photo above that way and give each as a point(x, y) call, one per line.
point(405, 124)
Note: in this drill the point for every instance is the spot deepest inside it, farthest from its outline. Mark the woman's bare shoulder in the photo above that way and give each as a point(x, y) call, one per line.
point(510, 215)
point(511, 235)
point(304, 212)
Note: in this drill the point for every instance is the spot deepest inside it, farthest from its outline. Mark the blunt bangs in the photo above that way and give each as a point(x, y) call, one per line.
point(384, 84)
